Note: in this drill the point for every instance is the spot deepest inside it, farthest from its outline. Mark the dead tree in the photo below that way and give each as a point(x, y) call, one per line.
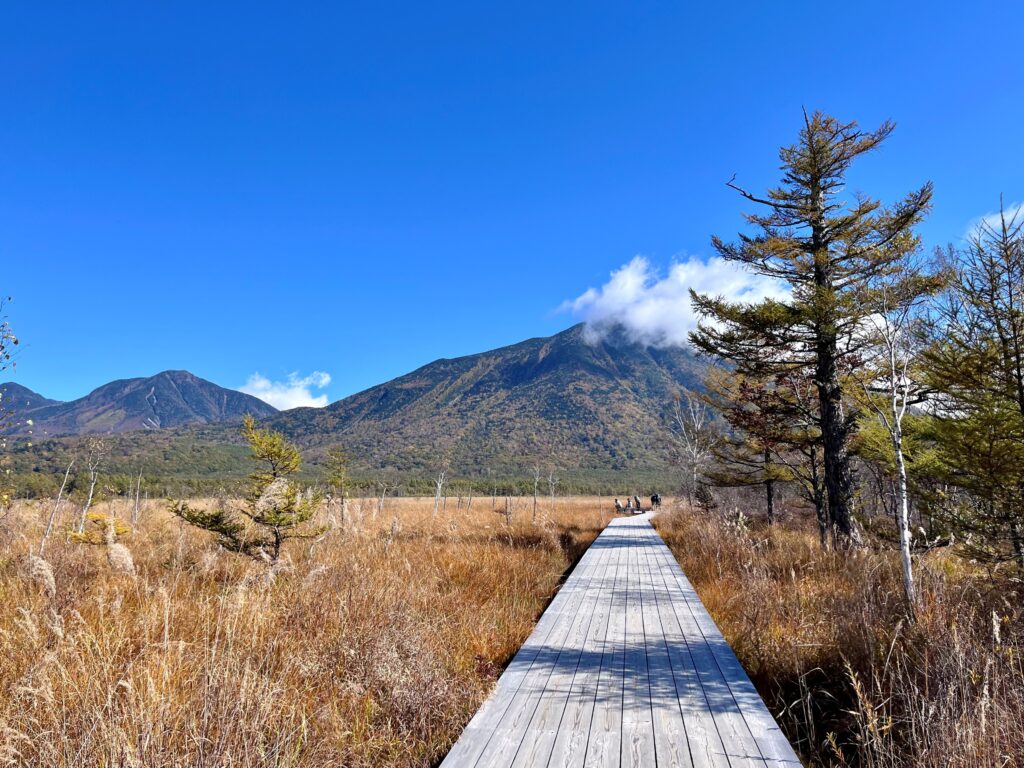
point(135, 509)
point(56, 507)
point(536, 487)
point(439, 486)
point(694, 438)
point(891, 389)
point(96, 450)
point(552, 482)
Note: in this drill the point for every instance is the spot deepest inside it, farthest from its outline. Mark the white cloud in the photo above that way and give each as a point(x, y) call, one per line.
point(655, 309)
point(1014, 212)
point(295, 392)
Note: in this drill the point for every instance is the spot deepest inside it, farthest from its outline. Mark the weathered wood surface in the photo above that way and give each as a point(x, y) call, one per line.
point(625, 668)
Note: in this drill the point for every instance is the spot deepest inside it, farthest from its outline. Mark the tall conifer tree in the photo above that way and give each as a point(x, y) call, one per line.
point(975, 368)
point(832, 254)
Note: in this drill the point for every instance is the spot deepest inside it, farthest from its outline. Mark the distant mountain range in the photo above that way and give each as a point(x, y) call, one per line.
point(167, 400)
point(15, 398)
point(590, 408)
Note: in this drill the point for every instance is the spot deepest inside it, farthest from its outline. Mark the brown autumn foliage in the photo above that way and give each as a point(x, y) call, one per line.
point(826, 641)
point(373, 647)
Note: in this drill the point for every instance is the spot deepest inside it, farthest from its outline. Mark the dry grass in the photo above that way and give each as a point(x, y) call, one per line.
point(826, 641)
point(374, 647)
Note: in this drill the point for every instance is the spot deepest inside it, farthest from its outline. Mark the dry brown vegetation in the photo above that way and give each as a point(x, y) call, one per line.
point(374, 646)
point(825, 639)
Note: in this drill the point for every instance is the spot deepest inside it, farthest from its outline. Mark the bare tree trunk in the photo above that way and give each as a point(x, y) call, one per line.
point(834, 429)
point(96, 452)
point(135, 509)
point(552, 482)
point(437, 493)
point(93, 476)
point(693, 436)
point(904, 520)
point(820, 502)
point(56, 506)
point(899, 346)
point(769, 489)
point(1017, 537)
point(536, 486)
point(835, 449)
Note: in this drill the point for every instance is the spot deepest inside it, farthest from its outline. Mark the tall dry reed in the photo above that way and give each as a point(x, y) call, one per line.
point(828, 644)
point(374, 647)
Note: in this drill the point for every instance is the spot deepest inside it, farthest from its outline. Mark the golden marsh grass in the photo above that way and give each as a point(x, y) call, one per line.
point(373, 646)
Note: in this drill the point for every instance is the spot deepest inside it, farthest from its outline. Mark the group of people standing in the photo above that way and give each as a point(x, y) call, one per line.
point(633, 504)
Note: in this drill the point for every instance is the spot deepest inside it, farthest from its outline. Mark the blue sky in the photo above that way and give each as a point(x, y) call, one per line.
point(360, 188)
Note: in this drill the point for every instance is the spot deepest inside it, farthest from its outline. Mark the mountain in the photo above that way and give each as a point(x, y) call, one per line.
point(167, 400)
point(566, 400)
point(593, 410)
point(15, 398)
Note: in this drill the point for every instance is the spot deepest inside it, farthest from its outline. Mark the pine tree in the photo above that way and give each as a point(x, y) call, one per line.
point(831, 255)
point(976, 369)
point(276, 508)
point(337, 471)
point(704, 499)
point(747, 456)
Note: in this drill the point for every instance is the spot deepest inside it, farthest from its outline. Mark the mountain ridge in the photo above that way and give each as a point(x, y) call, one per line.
point(15, 397)
point(537, 400)
point(594, 411)
point(168, 399)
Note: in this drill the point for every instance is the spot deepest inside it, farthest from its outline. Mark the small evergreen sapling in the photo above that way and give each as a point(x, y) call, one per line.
point(337, 471)
point(704, 499)
point(275, 510)
point(337, 478)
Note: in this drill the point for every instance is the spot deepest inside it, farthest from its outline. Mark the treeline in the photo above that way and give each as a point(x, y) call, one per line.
point(197, 465)
point(885, 382)
point(40, 472)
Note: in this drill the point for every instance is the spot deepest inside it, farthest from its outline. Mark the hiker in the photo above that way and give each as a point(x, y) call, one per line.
point(636, 501)
point(629, 505)
point(655, 501)
point(618, 507)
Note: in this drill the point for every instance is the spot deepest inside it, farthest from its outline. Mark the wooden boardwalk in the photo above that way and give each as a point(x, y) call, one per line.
point(625, 668)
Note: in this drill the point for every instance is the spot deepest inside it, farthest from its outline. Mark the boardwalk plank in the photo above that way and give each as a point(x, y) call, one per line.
point(771, 742)
point(481, 728)
point(508, 735)
point(671, 744)
point(570, 744)
point(704, 741)
point(637, 723)
point(539, 739)
point(732, 727)
point(625, 668)
point(605, 738)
